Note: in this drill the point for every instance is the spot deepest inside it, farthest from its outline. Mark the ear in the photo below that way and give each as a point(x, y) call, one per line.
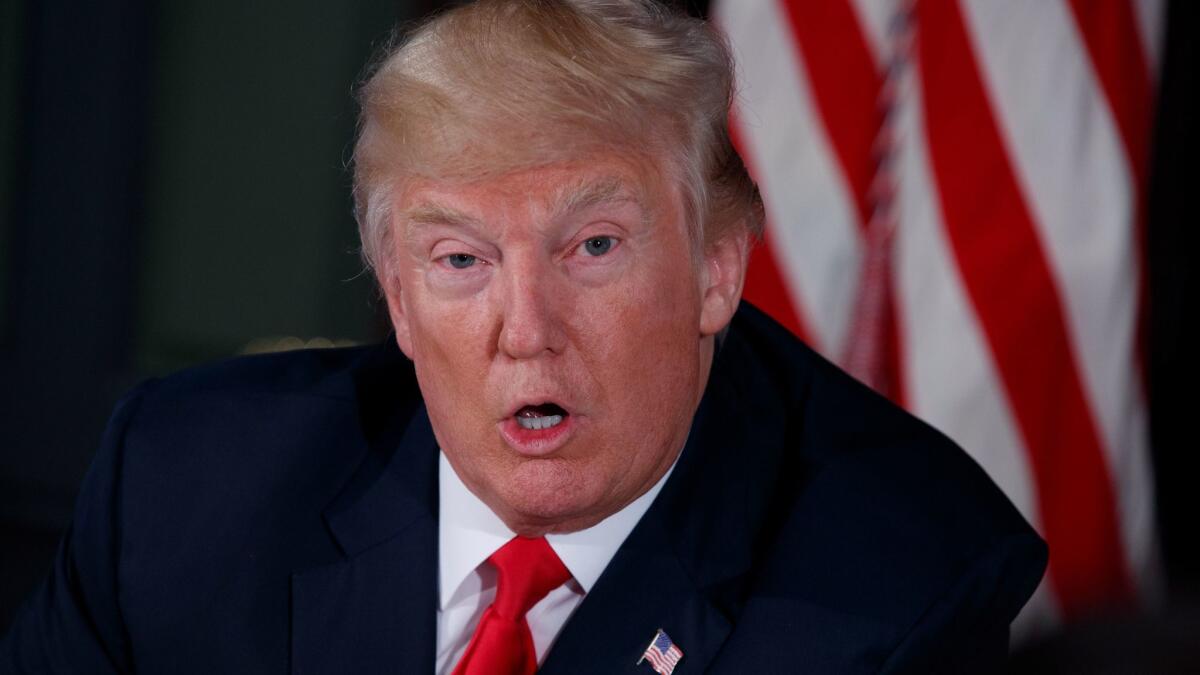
point(725, 275)
point(393, 292)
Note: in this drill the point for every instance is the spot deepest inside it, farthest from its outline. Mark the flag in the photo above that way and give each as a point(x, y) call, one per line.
point(955, 195)
point(662, 654)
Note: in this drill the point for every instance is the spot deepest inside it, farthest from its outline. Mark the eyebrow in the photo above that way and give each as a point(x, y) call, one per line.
point(584, 195)
point(438, 214)
point(572, 198)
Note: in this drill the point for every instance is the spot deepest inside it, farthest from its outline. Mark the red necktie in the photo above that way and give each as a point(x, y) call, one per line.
point(527, 570)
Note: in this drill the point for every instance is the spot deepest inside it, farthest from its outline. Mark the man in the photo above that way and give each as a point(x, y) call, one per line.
point(584, 456)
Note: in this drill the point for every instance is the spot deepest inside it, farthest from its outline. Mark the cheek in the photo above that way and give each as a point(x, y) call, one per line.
point(449, 345)
point(644, 346)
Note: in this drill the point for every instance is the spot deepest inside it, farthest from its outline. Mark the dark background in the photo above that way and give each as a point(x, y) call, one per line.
point(173, 190)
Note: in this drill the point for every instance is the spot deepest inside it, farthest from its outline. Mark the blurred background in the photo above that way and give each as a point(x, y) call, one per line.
point(173, 190)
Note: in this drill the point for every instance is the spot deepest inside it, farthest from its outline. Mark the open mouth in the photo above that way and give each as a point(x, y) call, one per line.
point(541, 416)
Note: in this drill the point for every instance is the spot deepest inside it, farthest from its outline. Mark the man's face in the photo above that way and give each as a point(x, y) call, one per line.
point(561, 325)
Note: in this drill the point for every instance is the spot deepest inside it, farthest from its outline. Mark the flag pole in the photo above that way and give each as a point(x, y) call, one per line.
point(652, 641)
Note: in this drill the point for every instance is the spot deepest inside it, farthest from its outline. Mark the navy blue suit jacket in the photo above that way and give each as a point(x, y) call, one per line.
point(279, 514)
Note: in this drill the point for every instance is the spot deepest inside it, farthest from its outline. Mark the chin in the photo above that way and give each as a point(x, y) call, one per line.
point(545, 496)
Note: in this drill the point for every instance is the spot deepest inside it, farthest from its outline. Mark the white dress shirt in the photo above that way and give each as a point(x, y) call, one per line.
point(468, 533)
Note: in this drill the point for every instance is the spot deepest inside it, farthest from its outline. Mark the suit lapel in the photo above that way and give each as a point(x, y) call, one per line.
point(643, 589)
point(374, 610)
point(373, 613)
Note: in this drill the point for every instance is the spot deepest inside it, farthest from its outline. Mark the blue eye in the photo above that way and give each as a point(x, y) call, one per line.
point(597, 246)
point(460, 261)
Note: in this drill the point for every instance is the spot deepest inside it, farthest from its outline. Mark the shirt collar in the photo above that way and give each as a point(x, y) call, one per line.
point(468, 532)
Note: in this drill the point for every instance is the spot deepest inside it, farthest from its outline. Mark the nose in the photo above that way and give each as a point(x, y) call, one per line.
point(531, 324)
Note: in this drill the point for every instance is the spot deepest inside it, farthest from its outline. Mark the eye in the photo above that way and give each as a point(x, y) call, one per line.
point(460, 261)
point(598, 246)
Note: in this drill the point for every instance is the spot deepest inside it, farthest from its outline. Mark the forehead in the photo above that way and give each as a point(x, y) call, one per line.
point(546, 191)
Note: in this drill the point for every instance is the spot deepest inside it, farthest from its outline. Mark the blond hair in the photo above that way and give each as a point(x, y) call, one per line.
point(499, 85)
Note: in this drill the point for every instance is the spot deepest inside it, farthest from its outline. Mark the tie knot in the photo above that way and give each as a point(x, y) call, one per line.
point(528, 569)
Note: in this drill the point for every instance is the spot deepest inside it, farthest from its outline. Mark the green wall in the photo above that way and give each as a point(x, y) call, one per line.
point(249, 231)
point(11, 20)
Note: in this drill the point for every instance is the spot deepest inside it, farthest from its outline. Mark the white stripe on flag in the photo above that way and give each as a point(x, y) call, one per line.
point(1152, 23)
point(1067, 154)
point(874, 17)
point(952, 379)
point(810, 211)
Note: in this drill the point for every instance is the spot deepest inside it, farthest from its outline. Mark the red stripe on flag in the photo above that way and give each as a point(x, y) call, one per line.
point(1114, 44)
point(897, 391)
point(1007, 276)
point(1117, 52)
point(845, 84)
point(765, 288)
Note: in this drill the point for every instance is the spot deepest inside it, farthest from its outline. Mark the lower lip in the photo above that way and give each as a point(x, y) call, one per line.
point(536, 442)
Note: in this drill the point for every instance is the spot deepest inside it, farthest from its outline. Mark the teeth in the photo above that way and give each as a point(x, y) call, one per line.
point(538, 423)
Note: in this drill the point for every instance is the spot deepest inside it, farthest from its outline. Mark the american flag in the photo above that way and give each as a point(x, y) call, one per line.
point(955, 193)
point(662, 653)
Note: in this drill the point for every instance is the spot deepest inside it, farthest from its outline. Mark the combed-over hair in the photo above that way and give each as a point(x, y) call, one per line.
point(499, 85)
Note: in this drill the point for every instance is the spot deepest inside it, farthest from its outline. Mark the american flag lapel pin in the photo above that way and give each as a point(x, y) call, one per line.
point(662, 654)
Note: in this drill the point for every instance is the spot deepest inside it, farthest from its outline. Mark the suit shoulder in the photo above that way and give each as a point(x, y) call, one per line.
point(843, 432)
point(299, 371)
point(246, 388)
point(900, 507)
point(247, 426)
point(277, 396)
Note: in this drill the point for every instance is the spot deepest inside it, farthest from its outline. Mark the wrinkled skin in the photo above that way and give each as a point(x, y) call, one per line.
point(575, 284)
